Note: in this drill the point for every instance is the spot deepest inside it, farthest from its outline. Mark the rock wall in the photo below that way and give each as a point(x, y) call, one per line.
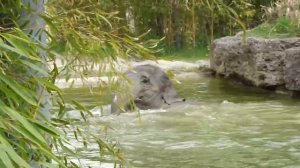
point(266, 63)
point(292, 69)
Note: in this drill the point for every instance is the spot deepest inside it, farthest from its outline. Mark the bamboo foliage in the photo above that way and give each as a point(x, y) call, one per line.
point(20, 133)
point(191, 23)
point(88, 33)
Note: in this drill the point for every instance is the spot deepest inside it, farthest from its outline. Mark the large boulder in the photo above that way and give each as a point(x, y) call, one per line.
point(266, 63)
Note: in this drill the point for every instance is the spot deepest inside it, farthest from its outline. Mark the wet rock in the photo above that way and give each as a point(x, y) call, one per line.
point(266, 63)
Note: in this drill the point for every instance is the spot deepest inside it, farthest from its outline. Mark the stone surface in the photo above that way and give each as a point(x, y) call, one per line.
point(257, 61)
point(292, 69)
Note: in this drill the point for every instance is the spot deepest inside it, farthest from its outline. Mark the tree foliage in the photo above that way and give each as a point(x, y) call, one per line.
point(189, 23)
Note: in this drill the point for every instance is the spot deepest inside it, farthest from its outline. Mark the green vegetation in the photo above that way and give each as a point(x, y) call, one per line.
point(181, 25)
point(282, 28)
point(28, 137)
point(281, 20)
point(190, 23)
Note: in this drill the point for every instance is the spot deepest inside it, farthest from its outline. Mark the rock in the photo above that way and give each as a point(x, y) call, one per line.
point(292, 69)
point(258, 61)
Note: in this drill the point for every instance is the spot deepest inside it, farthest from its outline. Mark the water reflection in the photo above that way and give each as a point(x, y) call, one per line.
point(226, 125)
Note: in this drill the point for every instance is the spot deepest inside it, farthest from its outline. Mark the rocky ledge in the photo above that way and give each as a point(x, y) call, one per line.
point(266, 63)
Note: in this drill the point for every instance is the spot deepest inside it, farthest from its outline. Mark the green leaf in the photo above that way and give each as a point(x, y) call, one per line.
point(49, 85)
point(21, 119)
point(56, 121)
point(39, 67)
point(43, 147)
point(6, 91)
point(50, 22)
point(81, 108)
point(47, 128)
point(25, 134)
point(13, 155)
point(4, 157)
point(104, 18)
point(17, 88)
point(66, 149)
point(22, 46)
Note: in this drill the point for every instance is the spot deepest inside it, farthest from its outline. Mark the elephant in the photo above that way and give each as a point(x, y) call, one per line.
point(149, 88)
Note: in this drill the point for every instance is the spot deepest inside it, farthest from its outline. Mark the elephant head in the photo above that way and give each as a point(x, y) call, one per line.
point(150, 88)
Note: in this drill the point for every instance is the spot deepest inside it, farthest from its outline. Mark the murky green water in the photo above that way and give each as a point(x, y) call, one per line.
point(225, 125)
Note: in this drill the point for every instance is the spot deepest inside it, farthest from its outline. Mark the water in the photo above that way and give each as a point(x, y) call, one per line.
point(224, 125)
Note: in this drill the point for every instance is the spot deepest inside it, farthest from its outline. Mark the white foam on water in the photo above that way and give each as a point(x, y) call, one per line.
point(183, 145)
point(91, 163)
point(151, 111)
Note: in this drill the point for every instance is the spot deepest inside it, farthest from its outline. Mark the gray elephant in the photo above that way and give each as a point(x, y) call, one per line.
point(149, 88)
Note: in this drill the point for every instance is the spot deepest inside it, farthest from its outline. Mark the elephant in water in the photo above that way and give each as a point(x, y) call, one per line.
point(149, 88)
